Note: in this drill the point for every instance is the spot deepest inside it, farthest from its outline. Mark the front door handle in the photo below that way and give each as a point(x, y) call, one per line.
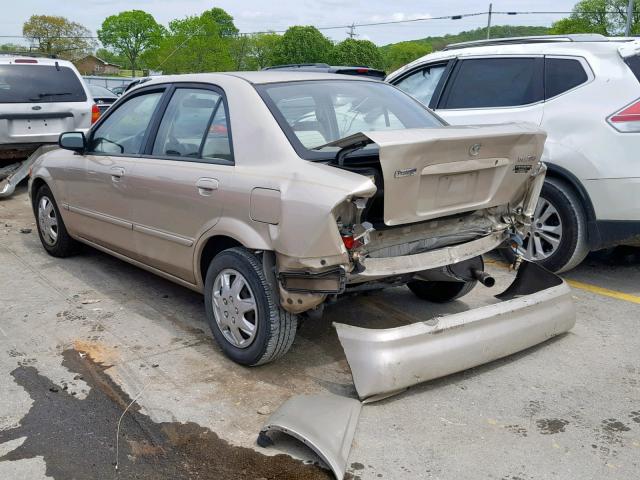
point(206, 186)
point(117, 173)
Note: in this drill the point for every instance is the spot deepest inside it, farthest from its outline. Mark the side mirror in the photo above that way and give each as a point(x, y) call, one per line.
point(74, 141)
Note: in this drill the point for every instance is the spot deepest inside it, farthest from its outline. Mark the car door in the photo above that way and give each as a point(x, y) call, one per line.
point(98, 188)
point(488, 90)
point(177, 183)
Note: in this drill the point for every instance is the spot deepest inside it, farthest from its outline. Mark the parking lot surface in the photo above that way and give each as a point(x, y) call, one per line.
point(82, 338)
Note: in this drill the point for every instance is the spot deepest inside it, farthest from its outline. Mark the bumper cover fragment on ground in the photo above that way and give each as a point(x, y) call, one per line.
point(325, 423)
point(536, 307)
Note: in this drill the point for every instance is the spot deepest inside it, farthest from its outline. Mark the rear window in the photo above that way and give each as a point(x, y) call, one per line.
point(561, 75)
point(495, 82)
point(39, 84)
point(634, 65)
point(314, 113)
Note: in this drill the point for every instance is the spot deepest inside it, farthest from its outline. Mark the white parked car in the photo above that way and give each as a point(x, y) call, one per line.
point(584, 91)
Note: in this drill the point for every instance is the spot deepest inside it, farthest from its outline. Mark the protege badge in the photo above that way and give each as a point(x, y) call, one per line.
point(407, 172)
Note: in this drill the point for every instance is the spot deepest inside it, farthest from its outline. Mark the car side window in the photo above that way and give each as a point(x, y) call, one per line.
point(561, 75)
point(495, 82)
point(217, 144)
point(187, 117)
point(422, 83)
point(123, 130)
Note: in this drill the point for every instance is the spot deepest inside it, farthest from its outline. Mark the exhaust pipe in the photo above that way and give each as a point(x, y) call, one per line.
point(483, 277)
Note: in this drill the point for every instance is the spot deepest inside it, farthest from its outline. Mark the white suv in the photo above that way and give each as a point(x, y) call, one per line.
point(584, 91)
point(39, 99)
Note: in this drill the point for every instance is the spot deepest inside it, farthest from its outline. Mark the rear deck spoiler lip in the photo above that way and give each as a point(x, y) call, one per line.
point(537, 307)
point(629, 49)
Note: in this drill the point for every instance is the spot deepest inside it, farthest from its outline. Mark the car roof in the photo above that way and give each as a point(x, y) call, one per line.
point(259, 77)
point(10, 58)
point(549, 45)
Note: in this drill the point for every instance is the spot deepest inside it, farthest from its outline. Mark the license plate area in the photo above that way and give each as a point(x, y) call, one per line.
point(36, 126)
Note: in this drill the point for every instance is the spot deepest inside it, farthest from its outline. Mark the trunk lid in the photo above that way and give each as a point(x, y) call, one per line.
point(436, 172)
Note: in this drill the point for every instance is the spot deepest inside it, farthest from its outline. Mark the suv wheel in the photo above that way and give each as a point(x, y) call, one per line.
point(51, 229)
point(243, 312)
point(557, 238)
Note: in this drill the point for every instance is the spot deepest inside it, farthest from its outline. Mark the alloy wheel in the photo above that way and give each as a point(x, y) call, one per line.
point(544, 236)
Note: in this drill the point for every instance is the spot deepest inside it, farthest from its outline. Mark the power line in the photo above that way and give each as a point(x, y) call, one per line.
point(373, 24)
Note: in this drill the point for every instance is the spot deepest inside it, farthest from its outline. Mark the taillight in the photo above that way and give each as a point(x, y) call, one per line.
point(25, 60)
point(95, 114)
point(628, 119)
point(351, 242)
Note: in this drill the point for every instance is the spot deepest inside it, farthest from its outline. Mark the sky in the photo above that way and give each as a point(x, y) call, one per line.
point(261, 15)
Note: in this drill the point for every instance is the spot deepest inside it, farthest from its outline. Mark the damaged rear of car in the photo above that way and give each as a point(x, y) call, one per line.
point(439, 197)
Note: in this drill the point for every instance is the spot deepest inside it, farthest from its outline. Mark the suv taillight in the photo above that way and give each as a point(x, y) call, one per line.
point(95, 114)
point(628, 119)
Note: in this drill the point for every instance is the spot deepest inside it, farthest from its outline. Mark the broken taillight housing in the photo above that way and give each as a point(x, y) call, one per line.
point(95, 114)
point(627, 120)
point(350, 242)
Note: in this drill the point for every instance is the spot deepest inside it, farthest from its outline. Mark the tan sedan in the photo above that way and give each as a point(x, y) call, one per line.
point(275, 192)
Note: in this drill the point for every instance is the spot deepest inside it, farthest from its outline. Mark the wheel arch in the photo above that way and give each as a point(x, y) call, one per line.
point(560, 173)
point(36, 184)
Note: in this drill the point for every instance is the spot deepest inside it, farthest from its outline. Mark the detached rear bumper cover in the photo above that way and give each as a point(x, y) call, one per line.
point(537, 306)
point(8, 184)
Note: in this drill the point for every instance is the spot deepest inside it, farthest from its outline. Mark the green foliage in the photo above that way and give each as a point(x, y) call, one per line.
point(12, 47)
point(226, 27)
point(356, 52)
point(400, 54)
point(607, 17)
point(303, 44)
point(130, 34)
point(109, 56)
point(193, 44)
point(58, 36)
point(262, 50)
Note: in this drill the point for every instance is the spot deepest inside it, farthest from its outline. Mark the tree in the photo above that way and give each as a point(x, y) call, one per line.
point(130, 33)
point(303, 44)
point(357, 52)
point(58, 36)
point(262, 50)
point(607, 17)
point(226, 27)
point(192, 44)
point(400, 54)
point(109, 56)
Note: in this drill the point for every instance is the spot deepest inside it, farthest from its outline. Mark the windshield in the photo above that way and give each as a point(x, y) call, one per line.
point(98, 91)
point(313, 113)
point(39, 84)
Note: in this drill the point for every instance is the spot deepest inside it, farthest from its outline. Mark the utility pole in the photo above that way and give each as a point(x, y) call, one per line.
point(627, 30)
point(352, 30)
point(489, 20)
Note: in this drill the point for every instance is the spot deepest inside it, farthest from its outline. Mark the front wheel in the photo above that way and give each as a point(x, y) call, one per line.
point(51, 229)
point(557, 237)
point(242, 310)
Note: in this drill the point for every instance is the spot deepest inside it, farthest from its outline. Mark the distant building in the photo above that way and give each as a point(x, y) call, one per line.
point(92, 65)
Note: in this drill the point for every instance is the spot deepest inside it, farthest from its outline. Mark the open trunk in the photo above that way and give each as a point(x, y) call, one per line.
point(437, 172)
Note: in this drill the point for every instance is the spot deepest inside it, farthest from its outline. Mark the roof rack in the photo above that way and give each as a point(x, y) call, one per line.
point(577, 37)
point(299, 65)
point(29, 54)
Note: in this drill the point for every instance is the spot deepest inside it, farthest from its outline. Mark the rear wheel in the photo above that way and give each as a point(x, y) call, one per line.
point(242, 310)
point(440, 292)
point(51, 229)
point(557, 237)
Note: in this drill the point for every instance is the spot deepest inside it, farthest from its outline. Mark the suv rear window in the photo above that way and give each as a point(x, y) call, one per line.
point(561, 75)
point(39, 84)
point(634, 65)
point(495, 82)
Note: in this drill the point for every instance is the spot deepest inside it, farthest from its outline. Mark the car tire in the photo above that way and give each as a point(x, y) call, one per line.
point(274, 328)
point(570, 216)
point(440, 292)
point(51, 229)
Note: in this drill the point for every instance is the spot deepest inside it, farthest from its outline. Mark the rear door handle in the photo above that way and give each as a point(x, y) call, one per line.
point(117, 173)
point(206, 186)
